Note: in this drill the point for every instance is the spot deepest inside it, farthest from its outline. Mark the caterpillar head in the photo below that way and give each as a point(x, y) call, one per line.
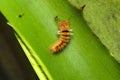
point(64, 25)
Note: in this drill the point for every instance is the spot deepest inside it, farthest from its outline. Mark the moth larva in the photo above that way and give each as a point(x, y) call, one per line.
point(64, 36)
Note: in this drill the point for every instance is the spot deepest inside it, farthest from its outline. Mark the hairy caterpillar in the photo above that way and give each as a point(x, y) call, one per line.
point(64, 36)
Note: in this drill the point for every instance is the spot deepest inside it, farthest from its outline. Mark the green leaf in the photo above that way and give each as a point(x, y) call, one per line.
point(103, 17)
point(84, 58)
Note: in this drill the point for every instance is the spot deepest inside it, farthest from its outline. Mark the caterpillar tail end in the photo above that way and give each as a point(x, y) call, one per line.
point(53, 50)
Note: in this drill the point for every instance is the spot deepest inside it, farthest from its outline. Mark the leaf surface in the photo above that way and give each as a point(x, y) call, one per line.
point(84, 58)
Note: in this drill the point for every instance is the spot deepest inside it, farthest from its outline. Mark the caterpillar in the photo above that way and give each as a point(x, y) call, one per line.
point(64, 36)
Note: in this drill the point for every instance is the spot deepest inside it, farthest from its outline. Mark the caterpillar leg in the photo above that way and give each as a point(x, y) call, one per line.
point(71, 29)
point(58, 32)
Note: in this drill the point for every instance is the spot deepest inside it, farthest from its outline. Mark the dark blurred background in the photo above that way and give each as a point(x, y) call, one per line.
point(14, 64)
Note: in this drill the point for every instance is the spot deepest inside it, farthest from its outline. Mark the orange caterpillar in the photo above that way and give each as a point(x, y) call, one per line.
point(64, 36)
